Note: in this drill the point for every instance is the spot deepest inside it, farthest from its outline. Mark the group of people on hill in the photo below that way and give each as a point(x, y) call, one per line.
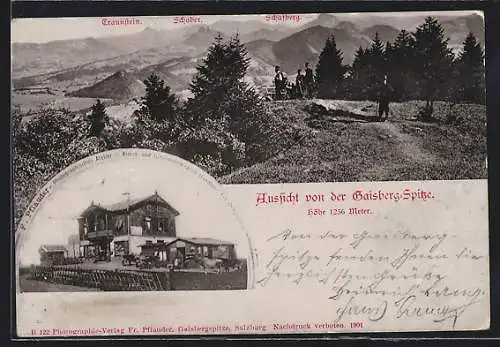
point(302, 88)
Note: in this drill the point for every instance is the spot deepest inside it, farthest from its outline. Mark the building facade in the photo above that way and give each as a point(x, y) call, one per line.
point(52, 254)
point(121, 228)
point(186, 248)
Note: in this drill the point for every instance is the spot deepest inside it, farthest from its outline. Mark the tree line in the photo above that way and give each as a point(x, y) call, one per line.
point(419, 65)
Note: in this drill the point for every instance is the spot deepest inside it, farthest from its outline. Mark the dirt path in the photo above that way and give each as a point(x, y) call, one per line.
point(406, 144)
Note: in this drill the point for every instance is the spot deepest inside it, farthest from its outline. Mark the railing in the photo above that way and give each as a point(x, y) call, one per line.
point(138, 280)
point(107, 280)
point(99, 233)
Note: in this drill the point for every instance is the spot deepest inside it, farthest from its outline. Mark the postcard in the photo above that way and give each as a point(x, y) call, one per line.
point(250, 174)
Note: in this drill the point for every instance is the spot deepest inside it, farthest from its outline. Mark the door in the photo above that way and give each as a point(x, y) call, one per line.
point(181, 254)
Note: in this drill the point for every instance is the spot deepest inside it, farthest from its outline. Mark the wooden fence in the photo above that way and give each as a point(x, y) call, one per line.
point(139, 280)
point(107, 280)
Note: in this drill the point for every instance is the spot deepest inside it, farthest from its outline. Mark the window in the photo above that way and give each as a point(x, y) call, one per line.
point(205, 251)
point(119, 224)
point(147, 222)
point(91, 225)
point(100, 223)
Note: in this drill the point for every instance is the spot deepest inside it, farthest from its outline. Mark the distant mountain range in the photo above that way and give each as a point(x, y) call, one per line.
point(323, 20)
point(30, 58)
point(102, 67)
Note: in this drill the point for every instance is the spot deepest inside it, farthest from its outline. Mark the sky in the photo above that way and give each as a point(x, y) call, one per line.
point(50, 29)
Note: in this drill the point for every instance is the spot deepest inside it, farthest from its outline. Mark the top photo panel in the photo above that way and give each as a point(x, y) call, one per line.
point(253, 99)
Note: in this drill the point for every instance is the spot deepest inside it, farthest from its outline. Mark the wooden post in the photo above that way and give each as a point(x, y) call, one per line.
point(128, 212)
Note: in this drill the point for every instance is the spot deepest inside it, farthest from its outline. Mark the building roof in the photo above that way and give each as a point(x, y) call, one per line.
point(123, 205)
point(166, 242)
point(52, 248)
point(131, 204)
point(205, 241)
point(199, 241)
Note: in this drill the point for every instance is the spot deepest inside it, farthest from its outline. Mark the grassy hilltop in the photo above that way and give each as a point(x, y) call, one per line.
point(341, 143)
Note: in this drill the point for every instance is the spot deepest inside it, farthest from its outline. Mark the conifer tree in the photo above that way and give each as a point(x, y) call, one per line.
point(223, 106)
point(388, 53)
point(237, 59)
point(433, 61)
point(377, 57)
point(219, 73)
point(158, 104)
point(330, 71)
point(98, 119)
point(368, 70)
point(401, 66)
point(376, 67)
point(471, 79)
point(219, 76)
point(210, 73)
point(359, 73)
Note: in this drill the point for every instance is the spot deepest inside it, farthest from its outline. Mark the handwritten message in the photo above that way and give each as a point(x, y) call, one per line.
point(372, 275)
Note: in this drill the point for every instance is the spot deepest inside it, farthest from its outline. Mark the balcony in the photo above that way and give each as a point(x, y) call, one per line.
point(100, 234)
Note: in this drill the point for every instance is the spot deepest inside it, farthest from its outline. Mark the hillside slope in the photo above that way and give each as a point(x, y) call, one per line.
point(345, 144)
point(119, 86)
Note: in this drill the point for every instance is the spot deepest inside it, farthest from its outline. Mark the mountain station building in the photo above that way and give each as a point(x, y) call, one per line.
point(120, 229)
point(142, 226)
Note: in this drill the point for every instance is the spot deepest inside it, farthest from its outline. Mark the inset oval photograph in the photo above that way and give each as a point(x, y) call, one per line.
point(132, 220)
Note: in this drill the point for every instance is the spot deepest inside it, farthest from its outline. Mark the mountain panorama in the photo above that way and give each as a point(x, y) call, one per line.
point(75, 98)
point(114, 67)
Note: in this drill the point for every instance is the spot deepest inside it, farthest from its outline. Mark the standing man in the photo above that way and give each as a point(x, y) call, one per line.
point(308, 82)
point(279, 83)
point(299, 84)
point(384, 100)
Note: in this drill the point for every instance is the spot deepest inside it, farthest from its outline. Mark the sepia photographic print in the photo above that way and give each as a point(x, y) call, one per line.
point(250, 174)
point(259, 98)
point(118, 232)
